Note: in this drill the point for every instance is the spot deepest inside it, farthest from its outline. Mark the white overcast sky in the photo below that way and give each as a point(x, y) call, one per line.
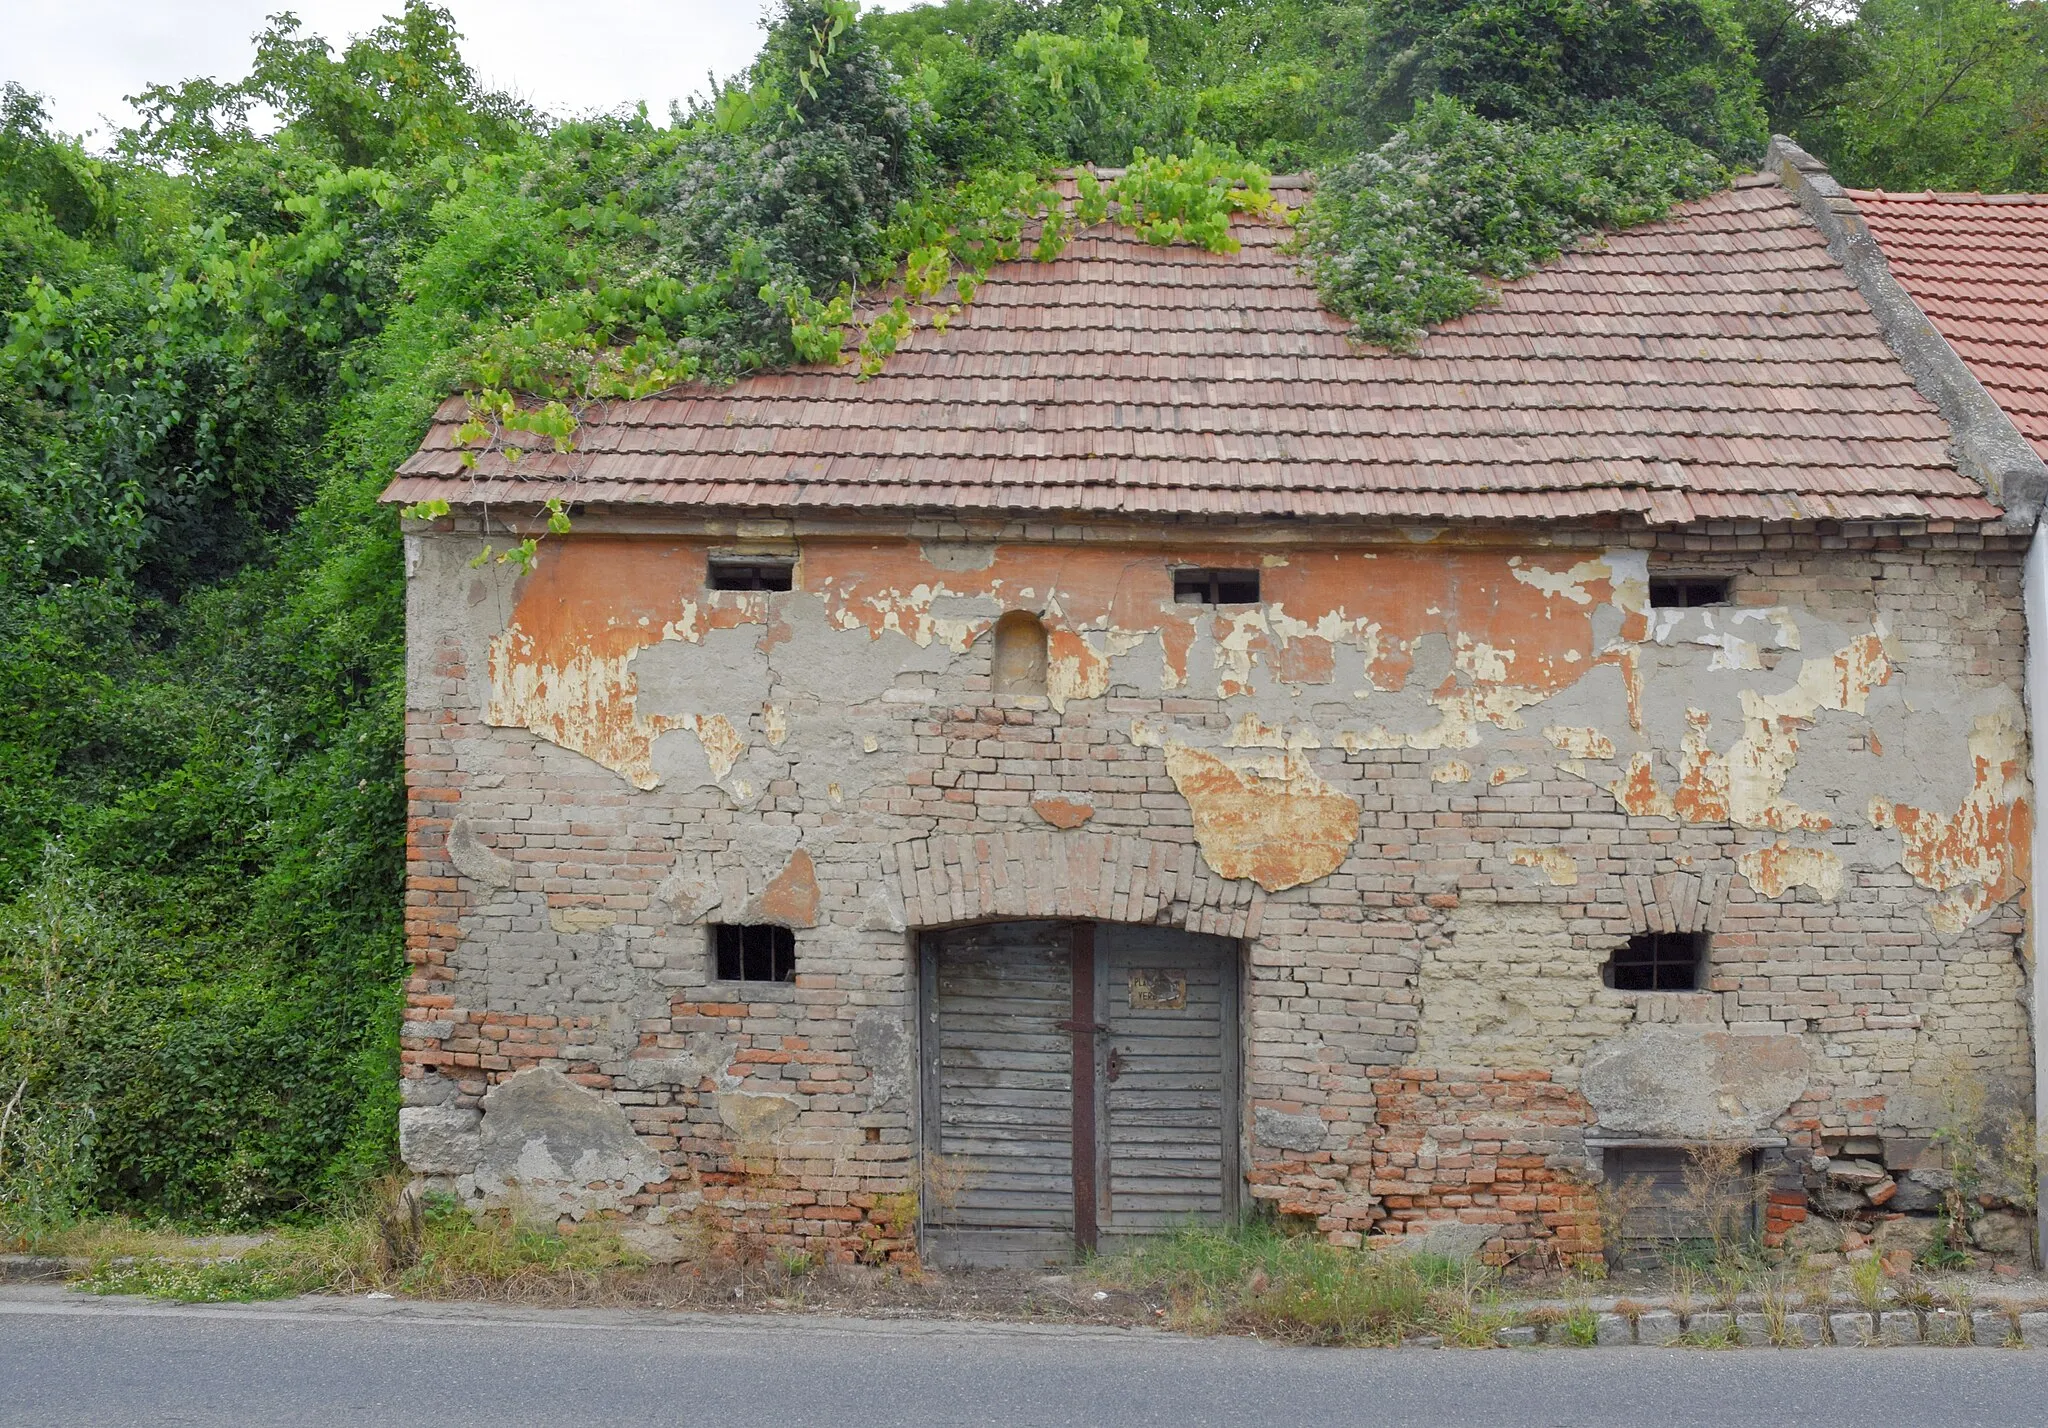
point(567, 58)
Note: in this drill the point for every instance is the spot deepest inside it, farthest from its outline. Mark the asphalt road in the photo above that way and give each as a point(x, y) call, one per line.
point(66, 1359)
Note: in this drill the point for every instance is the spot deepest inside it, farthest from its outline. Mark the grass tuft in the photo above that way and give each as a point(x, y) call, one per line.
point(1298, 1289)
point(449, 1254)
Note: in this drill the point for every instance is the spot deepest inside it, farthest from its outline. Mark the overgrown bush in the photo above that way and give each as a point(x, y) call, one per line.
point(1407, 236)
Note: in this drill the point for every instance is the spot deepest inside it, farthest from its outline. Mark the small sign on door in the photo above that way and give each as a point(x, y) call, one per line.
point(1159, 989)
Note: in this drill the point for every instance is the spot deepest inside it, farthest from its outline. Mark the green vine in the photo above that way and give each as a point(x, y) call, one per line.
point(939, 249)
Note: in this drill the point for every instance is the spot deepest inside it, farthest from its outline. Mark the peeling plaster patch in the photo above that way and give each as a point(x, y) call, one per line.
point(1078, 662)
point(1508, 988)
point(1507, 773)
point(1746, 785)
point(1570, 584)
point(548, 1148)
point(1489, 665)
point(1462, 709)
point(723, 746)
point(1252, 732)
point(791, 897)
point(1739, 638)
point(1773, 869)
point(475, 860)
point(1637, 790)
point(585, 702)
point(1555, 863)
point(1063, 812)
point(1235, 637)
point(691, 896)
point(563, 666)
point(1975, 857)
point(1451, 771)
point(1693, 1082)
point(755, 1119)
point(1271, 818)
point(1289, 1130)
point(1580, 743)
point(581, 919)
point(882, 1042)
point(774, 725)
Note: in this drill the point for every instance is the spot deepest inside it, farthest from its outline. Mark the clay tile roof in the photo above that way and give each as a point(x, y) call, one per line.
point(1718, 365)
point(1978, 266)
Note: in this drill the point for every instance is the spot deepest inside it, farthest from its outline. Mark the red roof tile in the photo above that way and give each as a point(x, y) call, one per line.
point(1718, 365)
point(1977, 264)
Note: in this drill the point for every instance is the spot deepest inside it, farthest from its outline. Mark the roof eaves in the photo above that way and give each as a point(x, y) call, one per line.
point(1988, 447)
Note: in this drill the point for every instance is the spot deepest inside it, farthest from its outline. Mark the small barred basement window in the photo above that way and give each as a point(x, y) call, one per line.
point(1658, 962)
point(751, 573)
point(1688, 592)
point(1020, 654)
point(1215, 587)
point(753, 953)
point(1665, 1197)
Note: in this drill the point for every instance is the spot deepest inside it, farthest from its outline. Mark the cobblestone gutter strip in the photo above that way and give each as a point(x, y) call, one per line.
point(1832, 1328)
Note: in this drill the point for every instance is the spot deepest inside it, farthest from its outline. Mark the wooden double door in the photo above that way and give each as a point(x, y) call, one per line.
point(1080, 1086)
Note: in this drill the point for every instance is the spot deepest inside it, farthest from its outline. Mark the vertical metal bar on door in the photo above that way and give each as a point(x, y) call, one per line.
point(1085, 1093)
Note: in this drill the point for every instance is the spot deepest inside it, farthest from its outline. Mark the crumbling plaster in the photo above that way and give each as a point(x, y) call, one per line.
point(1804, 748)
point(614, 649)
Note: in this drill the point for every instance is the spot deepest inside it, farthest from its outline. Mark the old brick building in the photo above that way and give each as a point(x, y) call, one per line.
point(1140, 756)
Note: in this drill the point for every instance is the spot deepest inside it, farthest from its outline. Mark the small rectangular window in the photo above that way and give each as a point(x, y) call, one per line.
point(1215, 587)
point(751, 573)
point(753, 953)
point(1658, 962)
point(1688, 592)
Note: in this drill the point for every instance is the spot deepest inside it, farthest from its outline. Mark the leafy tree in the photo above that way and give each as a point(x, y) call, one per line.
point(1945, 94)
point(1805, 52)
point(1684, 64)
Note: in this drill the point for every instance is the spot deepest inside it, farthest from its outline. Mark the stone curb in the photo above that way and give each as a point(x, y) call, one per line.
point(34, 1268)
point(1834, 1328)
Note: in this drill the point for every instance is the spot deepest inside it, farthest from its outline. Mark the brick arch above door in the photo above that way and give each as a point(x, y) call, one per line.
point(1105, 877)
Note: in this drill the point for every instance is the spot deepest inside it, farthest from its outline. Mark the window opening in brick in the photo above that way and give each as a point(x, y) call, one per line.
point(753, 953)
point(1020, 654)
point(1215, 587)
point(1668, 1197)
point(751, 573)
point(1688, 592)
point(1658, 962)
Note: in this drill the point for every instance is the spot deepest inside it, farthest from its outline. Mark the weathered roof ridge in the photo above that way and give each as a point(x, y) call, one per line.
point(1989, 447)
